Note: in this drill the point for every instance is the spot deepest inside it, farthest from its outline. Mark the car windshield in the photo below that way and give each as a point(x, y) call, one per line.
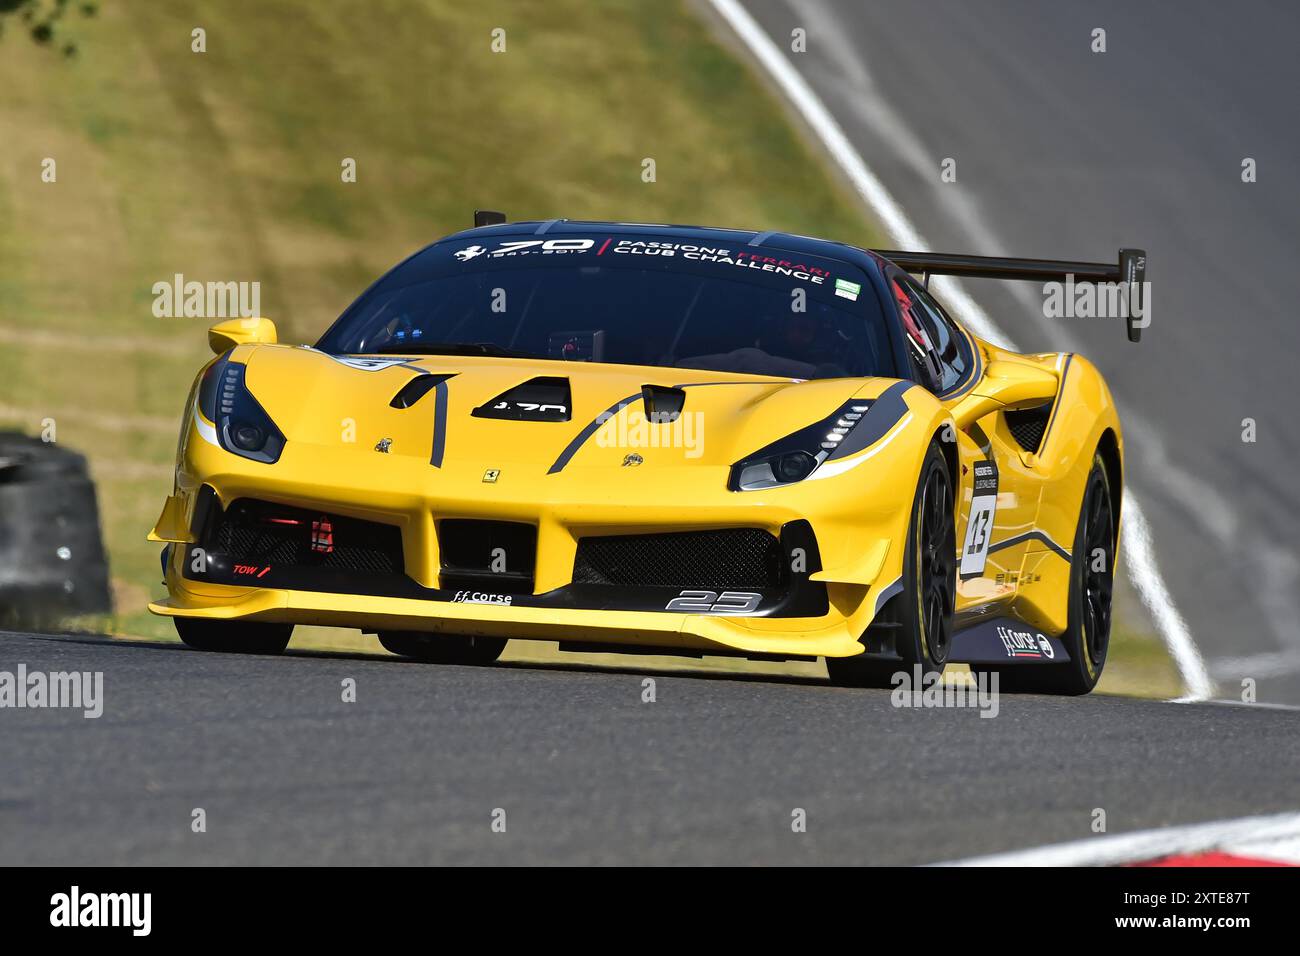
point(625, 300)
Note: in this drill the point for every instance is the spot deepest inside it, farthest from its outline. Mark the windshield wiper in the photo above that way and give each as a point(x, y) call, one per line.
point(453, 348)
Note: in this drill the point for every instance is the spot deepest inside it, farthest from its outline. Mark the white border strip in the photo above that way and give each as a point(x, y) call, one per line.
point(1248, 836)
point(832, 468)
point(1140, 558)
point(207, 431)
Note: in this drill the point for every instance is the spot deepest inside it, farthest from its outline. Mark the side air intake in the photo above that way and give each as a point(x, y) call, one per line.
point(1028, 424)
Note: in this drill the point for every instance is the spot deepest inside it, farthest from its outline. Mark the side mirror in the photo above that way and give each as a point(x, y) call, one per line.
point(1005, 385)
point(224, 336)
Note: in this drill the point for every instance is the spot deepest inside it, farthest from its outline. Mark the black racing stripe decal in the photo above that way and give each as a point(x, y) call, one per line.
point(1056, 405)
point(439, 424)
point(876, 422)
point(1030, 536)
point(571, 449)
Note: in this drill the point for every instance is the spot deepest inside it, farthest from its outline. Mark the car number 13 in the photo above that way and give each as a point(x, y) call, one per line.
point(979, 527)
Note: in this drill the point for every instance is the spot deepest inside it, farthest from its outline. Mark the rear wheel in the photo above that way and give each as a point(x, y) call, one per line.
point(1092, 578)
point(443, 648)
point(923, 623)
point(233, 637)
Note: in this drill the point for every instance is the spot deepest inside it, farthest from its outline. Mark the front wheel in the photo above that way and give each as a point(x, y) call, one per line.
point(233, 637)
point(923, 623)
point(443, 648)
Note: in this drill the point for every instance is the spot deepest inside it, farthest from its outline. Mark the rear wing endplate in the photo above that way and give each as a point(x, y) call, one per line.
point(1130, 270)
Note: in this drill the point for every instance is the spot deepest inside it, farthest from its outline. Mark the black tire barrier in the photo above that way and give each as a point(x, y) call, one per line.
point(52, 561)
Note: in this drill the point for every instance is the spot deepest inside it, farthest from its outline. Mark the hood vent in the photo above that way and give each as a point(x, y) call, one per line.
point(539, 400)
point(663, 404)
point(416, 389)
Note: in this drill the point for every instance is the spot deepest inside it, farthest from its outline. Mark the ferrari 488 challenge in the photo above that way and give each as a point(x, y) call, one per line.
point(656, 439)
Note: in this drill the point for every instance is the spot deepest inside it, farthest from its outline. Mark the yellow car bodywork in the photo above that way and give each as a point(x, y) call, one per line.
point(334, 416)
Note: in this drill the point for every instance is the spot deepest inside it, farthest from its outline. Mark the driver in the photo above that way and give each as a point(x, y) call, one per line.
point(809, 337)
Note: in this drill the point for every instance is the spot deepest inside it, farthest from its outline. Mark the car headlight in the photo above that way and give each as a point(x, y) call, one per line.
point(242, 425)
point(796, 456)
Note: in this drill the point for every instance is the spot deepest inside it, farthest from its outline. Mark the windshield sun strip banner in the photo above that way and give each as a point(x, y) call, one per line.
point(840, 279)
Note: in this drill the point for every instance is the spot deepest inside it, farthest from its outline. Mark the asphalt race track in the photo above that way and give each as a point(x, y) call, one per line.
point(711, 772)
point(1065, 153)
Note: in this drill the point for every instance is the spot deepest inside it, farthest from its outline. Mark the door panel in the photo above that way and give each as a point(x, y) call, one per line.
point(993, 546)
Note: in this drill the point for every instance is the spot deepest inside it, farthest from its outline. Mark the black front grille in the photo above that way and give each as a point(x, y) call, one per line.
point(497, 556)
point(258, 532)
point(736, 558)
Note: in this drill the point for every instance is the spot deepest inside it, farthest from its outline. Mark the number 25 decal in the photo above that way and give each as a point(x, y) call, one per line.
point(728, 602)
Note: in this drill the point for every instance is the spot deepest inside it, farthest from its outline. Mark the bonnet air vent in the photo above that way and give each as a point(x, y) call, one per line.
point(663, 404)
point(539, 400)
point(416, 389)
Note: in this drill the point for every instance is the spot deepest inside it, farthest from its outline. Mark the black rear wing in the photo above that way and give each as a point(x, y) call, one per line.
point(1130, 270)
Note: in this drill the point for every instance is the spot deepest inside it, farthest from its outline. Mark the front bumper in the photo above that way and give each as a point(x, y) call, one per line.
point(853, 523)
point(830, 636)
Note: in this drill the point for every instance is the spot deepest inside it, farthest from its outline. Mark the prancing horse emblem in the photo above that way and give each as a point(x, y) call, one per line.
point(491, 475)
point(383, 445)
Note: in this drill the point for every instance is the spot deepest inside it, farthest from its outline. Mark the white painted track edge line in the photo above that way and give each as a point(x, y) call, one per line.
point(1151, 844)
point(1140, 560)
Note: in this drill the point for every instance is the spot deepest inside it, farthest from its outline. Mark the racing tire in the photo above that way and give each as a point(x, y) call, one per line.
point(1092, 577)
point(923, 631)
point(443, 648)
point(233, 637)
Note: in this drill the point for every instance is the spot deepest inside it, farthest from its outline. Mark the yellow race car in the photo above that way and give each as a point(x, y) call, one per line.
point(656, 439)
